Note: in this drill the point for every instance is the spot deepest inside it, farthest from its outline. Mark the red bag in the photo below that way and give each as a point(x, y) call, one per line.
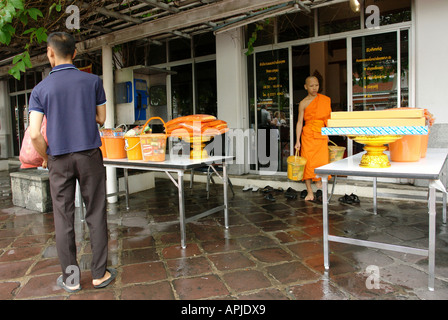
point(28, 155)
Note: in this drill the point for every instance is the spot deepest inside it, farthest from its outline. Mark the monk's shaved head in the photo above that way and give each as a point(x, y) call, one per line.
point(310, 78)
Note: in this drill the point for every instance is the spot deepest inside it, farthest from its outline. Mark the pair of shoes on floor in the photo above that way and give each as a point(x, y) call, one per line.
point(105, 283)
point(290, 193)
point(349, 199)
point(249, 188)
point(268, 189)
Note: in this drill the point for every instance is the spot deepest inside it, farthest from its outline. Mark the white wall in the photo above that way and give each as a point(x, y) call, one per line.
point(232, 98)
point(231, 78)
point(431, 25)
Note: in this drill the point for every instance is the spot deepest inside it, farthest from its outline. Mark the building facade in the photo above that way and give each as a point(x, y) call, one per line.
point(389, 54)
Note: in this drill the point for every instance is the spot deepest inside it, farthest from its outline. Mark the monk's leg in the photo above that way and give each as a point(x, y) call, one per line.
point(310, 195)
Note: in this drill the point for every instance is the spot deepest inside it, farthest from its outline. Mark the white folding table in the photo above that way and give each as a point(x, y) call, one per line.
point(431, 168)
point(178, 165)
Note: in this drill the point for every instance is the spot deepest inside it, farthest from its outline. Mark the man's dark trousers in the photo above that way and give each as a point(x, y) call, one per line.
point(86, 167)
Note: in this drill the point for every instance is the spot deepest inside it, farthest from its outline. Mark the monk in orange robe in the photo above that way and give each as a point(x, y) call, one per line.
point(315, 109)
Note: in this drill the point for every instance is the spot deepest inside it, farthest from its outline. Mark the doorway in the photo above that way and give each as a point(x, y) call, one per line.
point(327, 60)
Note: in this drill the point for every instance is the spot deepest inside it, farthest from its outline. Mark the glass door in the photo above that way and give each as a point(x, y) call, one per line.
point(272, 118)
point(327, 61)
point(380, 69)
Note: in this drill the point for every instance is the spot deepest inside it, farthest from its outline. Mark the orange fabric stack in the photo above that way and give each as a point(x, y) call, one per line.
point(194, 125)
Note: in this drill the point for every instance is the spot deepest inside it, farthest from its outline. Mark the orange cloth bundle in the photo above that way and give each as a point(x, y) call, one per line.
point(198, 124)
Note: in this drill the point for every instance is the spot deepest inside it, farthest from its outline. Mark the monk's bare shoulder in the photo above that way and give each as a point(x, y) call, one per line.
point(304, 103)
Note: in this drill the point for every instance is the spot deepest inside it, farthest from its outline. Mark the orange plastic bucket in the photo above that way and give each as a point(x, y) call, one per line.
point(425, 139)
point(406, 149)
point(115, 146)
point(153, 145)
point(103, 147)
point(133, 149)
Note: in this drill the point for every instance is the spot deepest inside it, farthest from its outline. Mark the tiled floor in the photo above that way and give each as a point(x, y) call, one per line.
point(272, 250)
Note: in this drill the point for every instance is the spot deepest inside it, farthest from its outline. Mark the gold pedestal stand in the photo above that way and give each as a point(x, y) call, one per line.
point(197, 144)
point(374, 147)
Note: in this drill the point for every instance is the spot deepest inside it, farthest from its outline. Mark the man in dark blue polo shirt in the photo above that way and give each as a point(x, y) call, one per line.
point(73, 103)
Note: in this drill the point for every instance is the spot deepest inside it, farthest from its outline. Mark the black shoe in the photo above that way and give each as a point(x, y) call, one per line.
point(290, 193)
point(346, 199)
point(269, 197)
point(303, 194)
point(355, 198)
point(319, 196)
point(267, 189)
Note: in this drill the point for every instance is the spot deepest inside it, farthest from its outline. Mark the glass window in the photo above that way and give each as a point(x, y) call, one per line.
point(21, 83)
point(337, 18)
point(30, 81)
point(179, 49)
point(295, 26)
point(272, 84)
point(404, 79)
point(265, 33)
point(392, 11)
point(12, 84)
point(157, 54)
point(204, 44)
point(206, 93)
point(182, 91)
point(374, 72)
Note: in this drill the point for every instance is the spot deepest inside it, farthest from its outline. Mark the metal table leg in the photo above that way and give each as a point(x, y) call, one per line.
point(374, 196)
point(225, 186)
point(126, 187)
point(432, 237)
point(444, 181)
point(325, 221)
point(180, 188)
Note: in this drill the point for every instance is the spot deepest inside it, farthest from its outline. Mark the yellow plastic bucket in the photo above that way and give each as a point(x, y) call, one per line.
point(153, 145)
point(133, 149)
point(335, 152)
point(296, 167)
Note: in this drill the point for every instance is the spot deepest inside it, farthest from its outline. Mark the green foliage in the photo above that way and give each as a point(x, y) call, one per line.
point(15, 14)
point(250, 43)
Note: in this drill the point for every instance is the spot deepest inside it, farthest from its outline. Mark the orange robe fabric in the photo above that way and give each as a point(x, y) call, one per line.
point(314, 146)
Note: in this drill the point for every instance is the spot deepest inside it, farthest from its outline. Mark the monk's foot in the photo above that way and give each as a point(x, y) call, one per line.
point(309, 196)
point(319, 184)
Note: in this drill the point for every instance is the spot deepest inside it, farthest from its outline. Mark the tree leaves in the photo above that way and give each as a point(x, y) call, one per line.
point(16, 10)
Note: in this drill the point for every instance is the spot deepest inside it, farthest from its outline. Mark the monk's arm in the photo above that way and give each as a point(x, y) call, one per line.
point(299, 125)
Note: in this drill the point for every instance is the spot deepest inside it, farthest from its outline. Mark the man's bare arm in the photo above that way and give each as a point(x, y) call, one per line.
point(101, 114)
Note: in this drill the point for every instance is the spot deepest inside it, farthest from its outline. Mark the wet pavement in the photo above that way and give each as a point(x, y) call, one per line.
point(271, 251)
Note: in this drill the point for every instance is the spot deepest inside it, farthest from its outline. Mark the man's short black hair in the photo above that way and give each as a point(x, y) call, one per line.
point(63, 43)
